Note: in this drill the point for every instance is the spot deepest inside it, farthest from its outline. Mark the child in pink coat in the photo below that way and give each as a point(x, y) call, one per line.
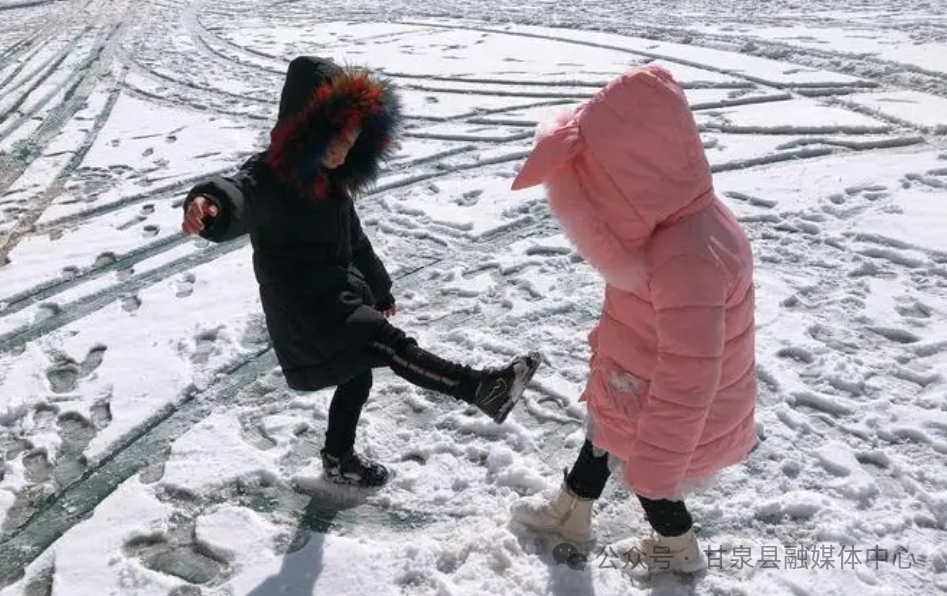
point(671, 392)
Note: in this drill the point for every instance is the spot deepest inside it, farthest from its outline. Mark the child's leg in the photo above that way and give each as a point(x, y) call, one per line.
point(339, 461)
point(675, 548)
point(569, 512)
point(589, 473)
point(344, 412)
point(668, 518)
point(424, 369)
point(493, 391)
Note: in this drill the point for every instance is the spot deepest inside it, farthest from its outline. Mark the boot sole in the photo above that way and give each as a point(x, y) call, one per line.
point(573, 539)
point(504, 412)
point(645, 576)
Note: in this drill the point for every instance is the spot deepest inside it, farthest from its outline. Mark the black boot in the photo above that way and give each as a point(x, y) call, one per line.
point(354, 470)
point(500, 388)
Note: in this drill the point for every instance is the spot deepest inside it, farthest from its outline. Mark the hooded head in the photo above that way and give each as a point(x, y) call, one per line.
point(321, 103)
point(619, 166)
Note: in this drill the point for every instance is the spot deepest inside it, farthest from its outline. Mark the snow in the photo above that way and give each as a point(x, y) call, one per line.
point(884, 44)
point(136, 387)
point(762, 70)
point(916, 108)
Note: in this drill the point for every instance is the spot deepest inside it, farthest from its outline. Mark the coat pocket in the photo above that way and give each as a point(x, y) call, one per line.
point(626, 392)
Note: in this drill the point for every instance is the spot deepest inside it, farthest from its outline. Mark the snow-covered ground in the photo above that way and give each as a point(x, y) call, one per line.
point(149, 447)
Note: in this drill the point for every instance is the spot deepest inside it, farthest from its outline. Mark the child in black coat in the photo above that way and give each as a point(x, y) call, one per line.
point(325, 293)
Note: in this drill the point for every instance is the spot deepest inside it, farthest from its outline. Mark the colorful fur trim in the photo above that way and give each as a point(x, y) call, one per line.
point(354, 99)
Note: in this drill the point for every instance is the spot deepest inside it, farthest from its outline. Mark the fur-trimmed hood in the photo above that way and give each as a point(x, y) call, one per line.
point(320, 100)
point(618, 167)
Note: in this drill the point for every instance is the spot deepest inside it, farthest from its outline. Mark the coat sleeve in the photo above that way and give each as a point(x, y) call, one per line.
point(689, 297)
point(366, 261)
point(233, 196)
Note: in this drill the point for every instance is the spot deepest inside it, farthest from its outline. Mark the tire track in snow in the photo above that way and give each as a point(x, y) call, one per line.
point(78, 89)
point(98, 300)
point(15, 52)
point(225, 97)
point(58, 23)
point(109, 263)
point(865, 84)
point(805, 90)
point(199, 35)
point(49, 289)
point(616, 48)
point(186, 103)
point(62, 21)
point(38, 207)
point(24, 4)
point(102, 298)
point(80, 217)
point(34, 81)
point(26, 298)
point(510, 90)
point(77, 218)
point(897, 74)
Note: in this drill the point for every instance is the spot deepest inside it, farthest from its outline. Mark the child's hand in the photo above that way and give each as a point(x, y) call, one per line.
point(390, 311)
point(199, 208)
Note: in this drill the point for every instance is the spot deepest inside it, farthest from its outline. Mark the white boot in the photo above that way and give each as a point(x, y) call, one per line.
point(566, 514)
point(664, 554)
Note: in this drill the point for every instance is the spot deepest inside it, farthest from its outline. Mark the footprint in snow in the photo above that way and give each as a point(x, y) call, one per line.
point(470, 198)
point(105, 259)
point(914, 310)
point(41, 583)
point(935, 179)
point(101, 412)
point(37, 467)
point(185, 285)
point(796, 354)
point(154, 471)
point(76, 432)
point(899, 336)
point(146, 212)
point(204, 346)
point(178, 553)
point(64, 373)
point(254, 433)
point(47, 310)
point(44, 416)
point(871, 192)
point(131, 303)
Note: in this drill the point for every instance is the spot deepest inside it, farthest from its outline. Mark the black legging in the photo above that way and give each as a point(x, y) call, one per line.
point(587, 480)
point(395, 350)
point(344, 412)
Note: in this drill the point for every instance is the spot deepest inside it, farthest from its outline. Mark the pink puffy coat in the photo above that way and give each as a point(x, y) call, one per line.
point(672, 386)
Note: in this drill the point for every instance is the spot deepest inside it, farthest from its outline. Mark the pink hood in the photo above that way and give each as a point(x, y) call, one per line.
point(636, 152)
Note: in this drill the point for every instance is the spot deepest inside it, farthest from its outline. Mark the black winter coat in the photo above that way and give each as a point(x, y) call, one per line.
point(321, 284)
